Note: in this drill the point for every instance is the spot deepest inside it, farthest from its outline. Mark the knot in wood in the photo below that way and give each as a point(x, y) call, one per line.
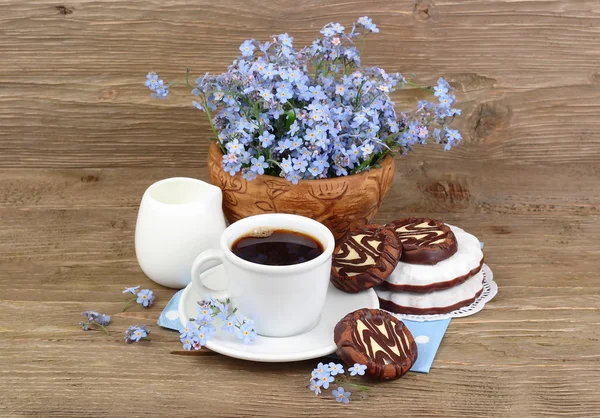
point(63, 10)
point(424, 10)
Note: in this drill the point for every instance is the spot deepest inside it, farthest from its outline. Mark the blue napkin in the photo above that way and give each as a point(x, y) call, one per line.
point(428, 335)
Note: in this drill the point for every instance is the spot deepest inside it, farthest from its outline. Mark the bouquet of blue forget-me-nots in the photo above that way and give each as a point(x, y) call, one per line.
point(313, 113)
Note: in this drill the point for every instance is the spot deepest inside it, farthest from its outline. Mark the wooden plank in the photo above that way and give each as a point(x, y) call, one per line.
point(100, 378)
point(526, 72)
point(420, 185)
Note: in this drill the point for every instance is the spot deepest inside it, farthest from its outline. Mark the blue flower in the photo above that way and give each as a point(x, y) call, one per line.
point(96, 318)
point(321, 162)
point(316, 92)
point(246, 321)
point(151, 81)
point(294, 128)
point(268, 72)
point(340, 395)
point(340, 171)
point(295, 143)
point(367, 149)
point(441, 89)
point(327, 31)
point(258, 165)
point(204, 312)
point(320, 370)
point(247, 48)
point(235, 147)
point(294, 177)
point(284, 94)
point(189, 330)
point(246, 333)
point(336, 369)
point(314, 387)
point(266, 94)
point(287, 165)
point(436, 135)
point(266, 139)
point(188, 340)
point(357, 369)
point(208, 327)
point(145, 298)
point(202, 337)
point(228, 326)
point(324, 380)
point(447, 101)
point(314, 171)
point(103, 319)
point(368, 24)
point(161, 92)
point(131, 290)
point(249, 174)
point(224, 313)
point(300, 164)
point(135, 333)
point(337, 28)
point(286, 40)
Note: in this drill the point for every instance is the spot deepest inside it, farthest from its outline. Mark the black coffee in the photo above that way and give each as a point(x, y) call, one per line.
point(277, 248)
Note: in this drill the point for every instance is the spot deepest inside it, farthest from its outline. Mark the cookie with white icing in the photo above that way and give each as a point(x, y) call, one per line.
point(424, 240)
point(378, 340)
point(364, 258)
point(419, 278)
point(437, 302)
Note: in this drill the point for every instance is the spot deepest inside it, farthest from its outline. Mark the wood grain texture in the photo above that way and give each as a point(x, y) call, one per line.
point(527, 73)
point(81, 139)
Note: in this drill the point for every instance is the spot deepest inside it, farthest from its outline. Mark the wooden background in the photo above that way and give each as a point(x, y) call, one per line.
point(81, 139)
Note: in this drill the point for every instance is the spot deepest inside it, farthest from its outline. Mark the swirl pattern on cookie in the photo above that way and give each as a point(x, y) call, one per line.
point(424, 241)
point(375, 338)
point(364, 258)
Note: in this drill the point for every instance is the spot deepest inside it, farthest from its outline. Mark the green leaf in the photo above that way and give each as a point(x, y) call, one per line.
point(290, 118)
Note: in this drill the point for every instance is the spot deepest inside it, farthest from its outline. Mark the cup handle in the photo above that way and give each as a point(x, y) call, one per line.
point(205, 261)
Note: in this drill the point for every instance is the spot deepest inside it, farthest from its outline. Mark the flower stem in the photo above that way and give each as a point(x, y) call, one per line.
point(128, 304)
point(104, 329)
point(361, 387)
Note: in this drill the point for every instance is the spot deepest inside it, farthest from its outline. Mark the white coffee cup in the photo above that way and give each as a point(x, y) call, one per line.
point(282, 300)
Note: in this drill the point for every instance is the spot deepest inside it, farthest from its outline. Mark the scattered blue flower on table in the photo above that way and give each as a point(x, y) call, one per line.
point(95, 319)
point(322, 377)
point(132, 290)
point(341, 395)
point(159, 88)
point(145, 297)
point(320, 370)
point(195, 334)
point(135, 333)
point(314, 112)
point(336, 369)
point(357, 369)
point(315, 387)
point(325, 380)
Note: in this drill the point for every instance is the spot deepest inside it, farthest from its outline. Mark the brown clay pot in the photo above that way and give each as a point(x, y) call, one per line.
point(341, 203)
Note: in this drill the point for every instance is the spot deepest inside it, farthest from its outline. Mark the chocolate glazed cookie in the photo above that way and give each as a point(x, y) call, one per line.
point(364, 258)
point(378, 340)
point(424, 241)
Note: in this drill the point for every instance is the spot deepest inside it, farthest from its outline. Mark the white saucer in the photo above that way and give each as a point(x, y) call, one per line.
point(317, 342)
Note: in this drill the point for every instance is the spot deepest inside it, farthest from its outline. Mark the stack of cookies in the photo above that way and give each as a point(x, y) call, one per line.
point(418, 266)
